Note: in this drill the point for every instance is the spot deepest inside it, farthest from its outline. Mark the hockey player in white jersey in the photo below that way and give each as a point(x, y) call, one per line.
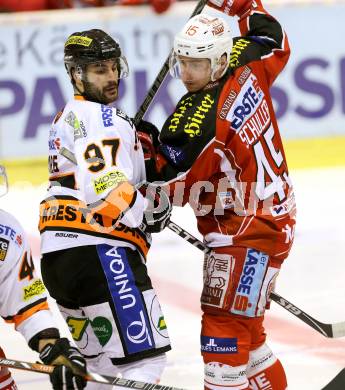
point(95, 224)
point(23, 302)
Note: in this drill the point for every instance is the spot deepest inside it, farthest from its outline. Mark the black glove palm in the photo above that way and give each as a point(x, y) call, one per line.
point(157, 213)
point(70, 365)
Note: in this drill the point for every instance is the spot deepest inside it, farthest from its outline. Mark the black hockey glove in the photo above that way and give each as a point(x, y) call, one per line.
point(157, 213)
point(69, 365)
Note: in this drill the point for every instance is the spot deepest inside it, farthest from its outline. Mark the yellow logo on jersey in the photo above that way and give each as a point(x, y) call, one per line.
point(33, 289)
point(78, 40)
point(236, 51)
point(77, 327)
point(4, 245)
point(110, 180)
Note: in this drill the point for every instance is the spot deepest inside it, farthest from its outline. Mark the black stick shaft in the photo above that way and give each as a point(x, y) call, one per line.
point(161, 76)
point(91, 377)
point(328, 330)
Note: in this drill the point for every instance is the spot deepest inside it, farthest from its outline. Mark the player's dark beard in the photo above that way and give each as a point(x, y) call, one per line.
point(97, 95)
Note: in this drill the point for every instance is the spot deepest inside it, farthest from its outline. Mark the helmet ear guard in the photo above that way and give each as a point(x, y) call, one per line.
point(3, 181)
point(203, 36)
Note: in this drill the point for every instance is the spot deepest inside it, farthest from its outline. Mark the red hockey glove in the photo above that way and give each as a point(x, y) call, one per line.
point(6, 380)
point(147, 144)
point(232, 7)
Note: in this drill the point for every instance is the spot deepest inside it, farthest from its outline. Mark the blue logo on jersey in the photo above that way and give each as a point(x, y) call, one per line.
point(107, 116)
point(174, 154)
point(8, 231)
point(129, 306)
point(218, 344)
point(249, 102)
point(249, 286)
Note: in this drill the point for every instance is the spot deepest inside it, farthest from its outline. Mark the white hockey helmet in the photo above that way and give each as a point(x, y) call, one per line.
point(3, 181)
point(203, 36)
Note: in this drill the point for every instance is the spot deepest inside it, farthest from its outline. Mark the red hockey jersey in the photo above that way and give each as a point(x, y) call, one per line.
point(222, 152)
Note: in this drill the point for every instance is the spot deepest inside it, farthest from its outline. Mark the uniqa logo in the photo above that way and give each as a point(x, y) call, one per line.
point(137, 331)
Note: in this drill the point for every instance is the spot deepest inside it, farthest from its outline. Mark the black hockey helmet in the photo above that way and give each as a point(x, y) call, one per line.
point(91, 46)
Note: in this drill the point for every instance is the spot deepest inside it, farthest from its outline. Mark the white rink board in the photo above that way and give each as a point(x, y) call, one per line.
point(309, 96)
point(312, 278)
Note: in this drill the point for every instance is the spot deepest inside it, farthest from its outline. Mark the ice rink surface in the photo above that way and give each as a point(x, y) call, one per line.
point(313, 278)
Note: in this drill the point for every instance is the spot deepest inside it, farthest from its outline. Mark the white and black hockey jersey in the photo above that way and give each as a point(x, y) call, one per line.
point(23, 298)
point(95, 160)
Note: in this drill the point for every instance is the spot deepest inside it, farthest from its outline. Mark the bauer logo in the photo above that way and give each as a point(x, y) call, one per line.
point(107, 116)
point(4, 245)
point(250, 284)
point(218, 345)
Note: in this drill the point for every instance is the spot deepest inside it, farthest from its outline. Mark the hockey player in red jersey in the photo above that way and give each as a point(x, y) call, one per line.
point(222, 150)
point(23, 303)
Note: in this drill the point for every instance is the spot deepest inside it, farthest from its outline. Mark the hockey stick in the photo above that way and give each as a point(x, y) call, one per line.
point(337, 383)
point(328, 330)
point(161, 75)
point(91, 377)
point(151, 92)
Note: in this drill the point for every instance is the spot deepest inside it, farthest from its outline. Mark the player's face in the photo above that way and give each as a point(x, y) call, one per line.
point(102, 81)
point(195, 72)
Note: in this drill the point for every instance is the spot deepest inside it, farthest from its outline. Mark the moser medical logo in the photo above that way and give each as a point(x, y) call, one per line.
point(218, 344)
point(129, 305)
point(109, 180)
point(33, 289)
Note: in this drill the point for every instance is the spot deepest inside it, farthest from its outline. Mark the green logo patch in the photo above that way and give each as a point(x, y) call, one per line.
point(161, 323)
point(102, 328)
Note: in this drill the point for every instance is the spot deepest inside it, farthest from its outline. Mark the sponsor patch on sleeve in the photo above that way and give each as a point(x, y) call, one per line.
point(33, 289)
point(4, 245)
point(109, 180)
